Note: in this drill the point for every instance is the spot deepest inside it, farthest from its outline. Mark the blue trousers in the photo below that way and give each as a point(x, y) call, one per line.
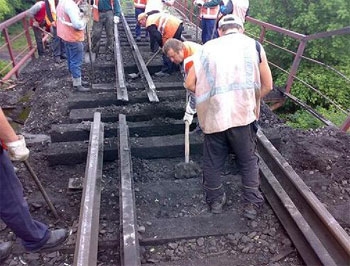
point(75, 53)
point(58, 47)
point(14, 209)
point(242, 141)
point(138, 11)
point(208, 30)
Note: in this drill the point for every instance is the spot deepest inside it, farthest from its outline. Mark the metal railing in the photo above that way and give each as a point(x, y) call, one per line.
point(17, 58)
point(187, 8)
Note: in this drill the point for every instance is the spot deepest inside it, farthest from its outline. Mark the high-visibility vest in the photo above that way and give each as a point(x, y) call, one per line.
point(50, 16)
point(65, 29)
point(95, 13)
point(166, 24)
point(190, 49)
point(40, 15)
point(211, 12)
point(140, 3)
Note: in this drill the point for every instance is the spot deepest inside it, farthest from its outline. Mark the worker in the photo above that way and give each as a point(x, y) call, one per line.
point(182, 53)
point(37, 20)
point(70, 28)
point(238, 8)
point(105, 13)
point(209, 12)
point(225, 89)
point(14, 210)
point(162, 26)
point(58, 47)
point(140, 7)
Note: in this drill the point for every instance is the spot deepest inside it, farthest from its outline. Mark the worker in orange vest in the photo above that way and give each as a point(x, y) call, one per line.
point(209, 12)
point(37, 20)
point(182, 53)
point(161, 27)
point(70, 28)
point(58, 47)
point(140, 6)
point(105, 13)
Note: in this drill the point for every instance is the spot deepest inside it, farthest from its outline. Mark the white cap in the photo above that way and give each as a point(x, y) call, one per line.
point(230, 19)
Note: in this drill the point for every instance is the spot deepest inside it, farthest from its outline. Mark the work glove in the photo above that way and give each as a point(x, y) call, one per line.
point(17, 149)
point(190, 108)
point(36, 24)
point(116, 19)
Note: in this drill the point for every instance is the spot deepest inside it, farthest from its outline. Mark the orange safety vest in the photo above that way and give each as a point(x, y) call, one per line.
point(52, 9)
point(209, 12)
point(166, 24)
point(95, 13)
point(65, 31)
point(140, 3)
point(190, 49)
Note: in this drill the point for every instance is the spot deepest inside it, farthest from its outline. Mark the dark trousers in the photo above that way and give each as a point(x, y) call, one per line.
point(39, 41)
point(242, 141)
point(138, 11)
point(58, 47)
point(14, 209)
point(106, 22)
point(208, 30)
point(168, 66)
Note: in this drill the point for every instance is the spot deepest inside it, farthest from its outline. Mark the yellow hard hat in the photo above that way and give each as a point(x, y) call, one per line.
point(141, 16)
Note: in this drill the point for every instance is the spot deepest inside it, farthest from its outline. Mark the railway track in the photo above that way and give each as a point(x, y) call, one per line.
point(136, 126)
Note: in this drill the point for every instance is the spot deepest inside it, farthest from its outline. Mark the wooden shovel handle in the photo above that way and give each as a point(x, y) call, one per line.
point(187, 142)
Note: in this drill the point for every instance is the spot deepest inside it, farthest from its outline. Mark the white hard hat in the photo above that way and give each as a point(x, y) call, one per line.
point(230, 19)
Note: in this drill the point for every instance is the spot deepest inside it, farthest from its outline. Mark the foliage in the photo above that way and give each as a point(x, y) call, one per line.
point(304, 120)
point(309, 17)
point(9, 8)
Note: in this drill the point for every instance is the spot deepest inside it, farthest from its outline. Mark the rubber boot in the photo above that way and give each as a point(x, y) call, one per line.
point(77, 85)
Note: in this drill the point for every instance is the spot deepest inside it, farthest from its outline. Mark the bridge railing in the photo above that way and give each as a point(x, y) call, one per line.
point(191, 13)
point(16, 57)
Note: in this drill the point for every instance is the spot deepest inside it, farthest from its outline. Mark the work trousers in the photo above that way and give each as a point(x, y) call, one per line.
point(75, 53)
point(105, 21)
point(242, 141)
point(58, 47)
point(208, 29)
point(168, 66)
point(39, 41)
point(14, 209)
point(138, 11)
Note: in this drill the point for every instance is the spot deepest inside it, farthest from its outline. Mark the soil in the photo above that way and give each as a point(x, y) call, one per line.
point(321, 157)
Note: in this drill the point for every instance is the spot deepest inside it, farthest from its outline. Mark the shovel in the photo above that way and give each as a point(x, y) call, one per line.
point(136, 75)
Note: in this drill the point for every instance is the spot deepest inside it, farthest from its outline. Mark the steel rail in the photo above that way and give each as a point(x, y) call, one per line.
point(129, 253)
point(87, 238)
point(122, 92)
point(316, 234)
point(150, 87)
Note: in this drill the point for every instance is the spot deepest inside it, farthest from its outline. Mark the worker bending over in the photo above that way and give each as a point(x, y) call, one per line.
point(225, 89)
point(161, 27)
point(181, 53)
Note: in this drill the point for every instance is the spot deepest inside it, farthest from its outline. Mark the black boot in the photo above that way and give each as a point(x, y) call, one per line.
point(80, 88)
point(5, 250)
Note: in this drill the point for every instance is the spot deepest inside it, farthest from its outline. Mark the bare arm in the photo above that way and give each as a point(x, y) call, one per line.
point(7, 134)
point(265, 75)
point(190, 81)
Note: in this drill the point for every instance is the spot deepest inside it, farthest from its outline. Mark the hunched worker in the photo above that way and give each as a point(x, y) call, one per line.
point(182, 53)
point(161, 27)
point(105, 14)
point(70, 28)
point(37, 20)
point(225, 89)
point(58, 47)
point(14, 210)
